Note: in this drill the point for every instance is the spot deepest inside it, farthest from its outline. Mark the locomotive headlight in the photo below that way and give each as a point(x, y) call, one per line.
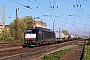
point(25, 41)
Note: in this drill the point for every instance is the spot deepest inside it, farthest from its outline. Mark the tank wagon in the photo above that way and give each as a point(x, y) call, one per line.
point(37, 36)
point(61, 37)
point(73, 36)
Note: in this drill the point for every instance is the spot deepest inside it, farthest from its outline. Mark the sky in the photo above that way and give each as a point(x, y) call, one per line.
point(71, 15)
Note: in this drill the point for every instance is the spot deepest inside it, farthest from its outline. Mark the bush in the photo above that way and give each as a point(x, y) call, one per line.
point(4, 37)
point(87, 53)
point(56, 55)
point(88, 42)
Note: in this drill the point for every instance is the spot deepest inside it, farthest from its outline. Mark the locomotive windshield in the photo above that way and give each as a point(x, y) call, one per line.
point(31, 31)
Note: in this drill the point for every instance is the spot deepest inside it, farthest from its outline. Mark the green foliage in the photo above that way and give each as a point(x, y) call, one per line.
point(65, 31)
point(88, 42)
point(56, 55)
point(12, 29)
point(87, 53)
point(4, 36)
point(23, 23)
point(30, 22)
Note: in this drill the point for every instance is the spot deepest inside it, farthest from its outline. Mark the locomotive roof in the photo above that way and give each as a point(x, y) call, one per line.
point(42, 29)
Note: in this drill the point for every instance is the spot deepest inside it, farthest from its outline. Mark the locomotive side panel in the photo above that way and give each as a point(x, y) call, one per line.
point(48, 37)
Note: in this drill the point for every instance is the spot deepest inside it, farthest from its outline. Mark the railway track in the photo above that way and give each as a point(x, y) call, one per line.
point(23, 53)
point(76, 52)
point(4, 45)
point(10, 46)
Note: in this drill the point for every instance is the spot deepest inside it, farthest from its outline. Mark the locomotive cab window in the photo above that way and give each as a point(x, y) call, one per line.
point(31, 31)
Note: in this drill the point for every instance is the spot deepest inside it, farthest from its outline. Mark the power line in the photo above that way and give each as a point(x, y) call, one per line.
point(54, 4)
point(6, 5)
point(19, 10)
point(31, 1)
point(42, 6)
point(67, 2)
point(12, 8)
point(45, 8)
point(27, 7)
point(20, 4)
point(77, 6)
point(30, 8)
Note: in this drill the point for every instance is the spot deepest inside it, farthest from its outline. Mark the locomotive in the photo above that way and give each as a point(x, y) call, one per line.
point(37, 36)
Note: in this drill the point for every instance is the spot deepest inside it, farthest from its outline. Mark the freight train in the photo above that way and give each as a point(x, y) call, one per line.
point(40, 36)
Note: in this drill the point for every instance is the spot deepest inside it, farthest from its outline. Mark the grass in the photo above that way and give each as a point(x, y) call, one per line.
point(56, 55)
point(87, 53)
point(88, 42)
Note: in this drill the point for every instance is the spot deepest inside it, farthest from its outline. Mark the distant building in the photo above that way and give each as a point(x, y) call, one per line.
point(1, 27)
point(39, 24)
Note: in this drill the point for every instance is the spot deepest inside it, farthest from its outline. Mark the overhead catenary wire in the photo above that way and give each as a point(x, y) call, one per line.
point(7, 6)
point(19, 10)
point(39, 4)
point(44, 7)
point(47, 9)
point(27, 6)
point(31, 1)
point(77, 5)
point(67, 2)
point(31, 8)
point(36, 2)
point(74, 5)
point(20, 4)
point(82, 10)
point(13, 8)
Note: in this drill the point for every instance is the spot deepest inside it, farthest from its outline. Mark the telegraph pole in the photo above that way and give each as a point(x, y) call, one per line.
point(59, 32)
point(53, 25)
point(16, 26)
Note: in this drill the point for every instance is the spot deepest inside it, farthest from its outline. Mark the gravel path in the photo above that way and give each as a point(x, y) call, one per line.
point(75, 53)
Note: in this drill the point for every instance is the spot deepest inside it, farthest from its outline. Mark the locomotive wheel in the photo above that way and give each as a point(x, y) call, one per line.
point(37, 44)
point(24, 46)
point(55, 42)
point(51, 43)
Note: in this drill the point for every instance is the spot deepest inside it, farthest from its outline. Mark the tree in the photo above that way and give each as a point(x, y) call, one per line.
point(65, 31)
point(30, 22)
point(4, 35)
point(12, 29)
point(23, 23)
